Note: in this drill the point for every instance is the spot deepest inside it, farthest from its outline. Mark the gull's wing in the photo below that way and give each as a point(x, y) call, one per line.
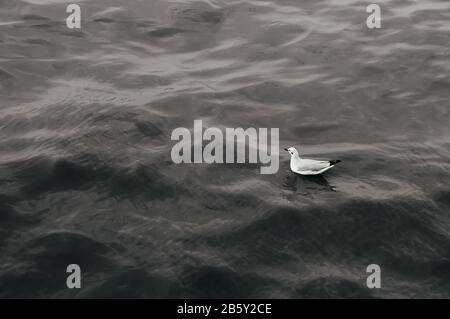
point(313, 172)
point(311, 167)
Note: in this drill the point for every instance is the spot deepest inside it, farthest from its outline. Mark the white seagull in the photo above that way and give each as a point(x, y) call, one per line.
point(305, 166)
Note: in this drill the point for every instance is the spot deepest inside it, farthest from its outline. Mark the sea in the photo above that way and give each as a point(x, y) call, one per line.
point(87, 178)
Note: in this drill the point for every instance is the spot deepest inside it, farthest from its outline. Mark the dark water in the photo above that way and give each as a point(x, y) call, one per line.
point(86, 175)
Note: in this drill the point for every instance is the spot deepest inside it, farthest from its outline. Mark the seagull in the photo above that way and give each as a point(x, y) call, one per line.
point(305, 166)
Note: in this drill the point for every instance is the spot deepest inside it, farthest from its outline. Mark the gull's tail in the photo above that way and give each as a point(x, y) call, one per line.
point(334, 162)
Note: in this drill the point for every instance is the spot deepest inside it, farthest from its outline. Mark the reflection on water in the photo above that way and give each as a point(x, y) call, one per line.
point(315, 184)
point(85, 169)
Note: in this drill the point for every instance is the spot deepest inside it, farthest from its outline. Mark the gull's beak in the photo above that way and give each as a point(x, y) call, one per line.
point(286, 150)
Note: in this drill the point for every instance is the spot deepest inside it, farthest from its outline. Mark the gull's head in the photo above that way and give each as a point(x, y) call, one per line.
point(292, 151)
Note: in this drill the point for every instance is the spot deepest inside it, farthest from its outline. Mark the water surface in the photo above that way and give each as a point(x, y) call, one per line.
point(86, 175)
